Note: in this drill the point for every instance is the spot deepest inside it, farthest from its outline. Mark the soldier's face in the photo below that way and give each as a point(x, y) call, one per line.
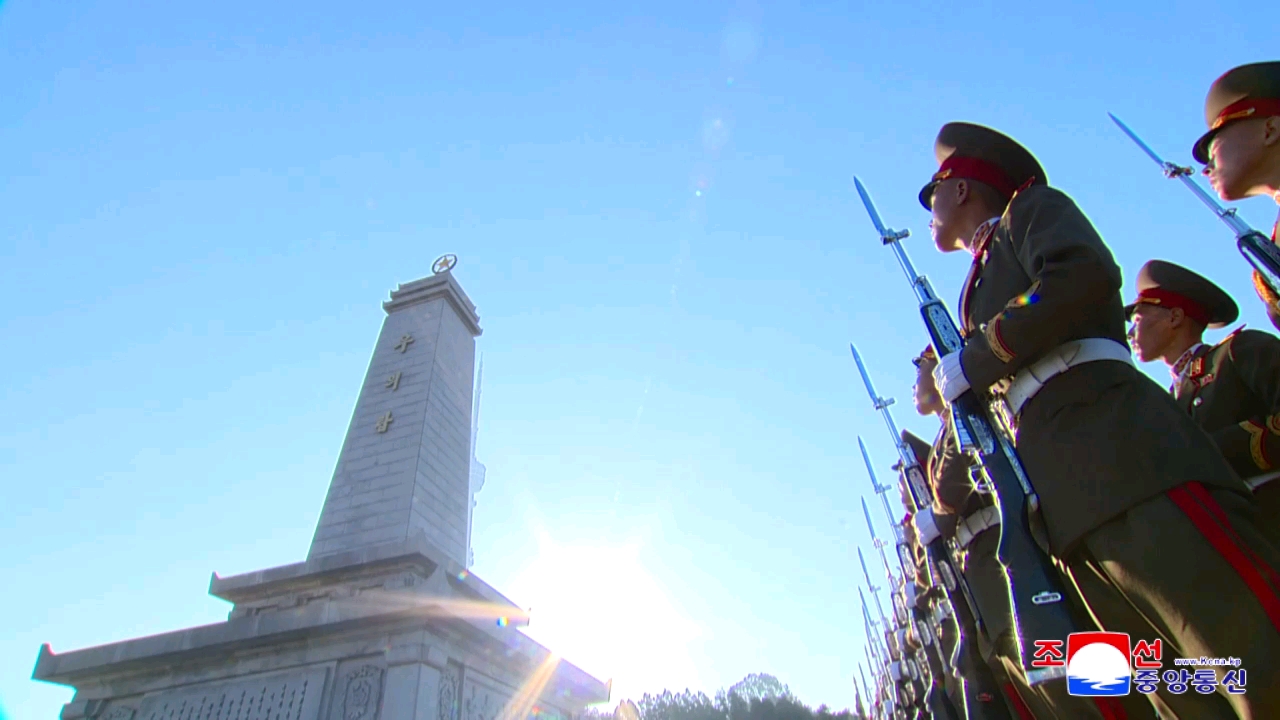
point(946, 202)
point(1239, 157)
point(1151, 332)
point(927, 399)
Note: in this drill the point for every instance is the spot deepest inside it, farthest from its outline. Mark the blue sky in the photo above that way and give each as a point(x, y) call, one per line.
point(202, 208)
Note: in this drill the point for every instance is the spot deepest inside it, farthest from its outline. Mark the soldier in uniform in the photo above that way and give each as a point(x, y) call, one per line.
point(1241, 150)
point(906, 668)
point(927, 599)
point(1231, 389)
point(971, 520)
point(930, 633)
point(1140, 508)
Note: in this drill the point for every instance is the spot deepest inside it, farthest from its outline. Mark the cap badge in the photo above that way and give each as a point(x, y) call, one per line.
point(1226, 118)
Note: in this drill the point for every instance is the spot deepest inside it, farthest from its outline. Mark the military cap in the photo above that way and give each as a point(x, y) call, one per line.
point(973, 152)
point(926, 354)
point(1173, 286)
point(1244, 92)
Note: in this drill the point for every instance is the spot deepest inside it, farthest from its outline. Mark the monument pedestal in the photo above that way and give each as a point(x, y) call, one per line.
point(396, 632)
point(382, 621)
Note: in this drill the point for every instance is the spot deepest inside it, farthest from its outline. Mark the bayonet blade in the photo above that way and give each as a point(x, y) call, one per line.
point(871, 208)
point(865, 574)
point(871, 471)
point(870, 527)
point(866, 377)
point(887, 236)
point(1138, 141)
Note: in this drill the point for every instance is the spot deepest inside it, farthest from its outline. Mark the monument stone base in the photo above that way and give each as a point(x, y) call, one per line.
point(397, 631)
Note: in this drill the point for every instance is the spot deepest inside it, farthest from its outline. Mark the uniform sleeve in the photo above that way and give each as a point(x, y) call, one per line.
point(1268, 299)
point(1253, 445)
point(1072, 272)
point(952, 485)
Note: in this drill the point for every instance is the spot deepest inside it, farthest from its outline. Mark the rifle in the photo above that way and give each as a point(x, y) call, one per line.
point(878, 660)
point(884, 621)
point(888, 686)
point(900, 613)
point(1256, 248)
point(909, 465)
point(897, 649)
point(1035, 592)
point(873, 702)
point(935, 695)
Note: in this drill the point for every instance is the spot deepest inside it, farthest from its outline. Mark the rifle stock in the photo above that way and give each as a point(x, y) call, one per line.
point(1035, 592)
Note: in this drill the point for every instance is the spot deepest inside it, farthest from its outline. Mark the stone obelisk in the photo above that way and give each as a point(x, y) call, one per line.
point(382, 621)
point(477, 468)
point(405, 467)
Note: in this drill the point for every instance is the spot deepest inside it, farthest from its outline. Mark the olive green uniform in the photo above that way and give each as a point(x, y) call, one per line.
point(1232, 390)
point(987, 685)
point(1133, 493)
point(944, 688)
point(958, 503)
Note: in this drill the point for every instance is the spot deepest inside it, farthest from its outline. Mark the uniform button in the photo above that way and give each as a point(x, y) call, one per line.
point(978, 282)
point(1197, 401)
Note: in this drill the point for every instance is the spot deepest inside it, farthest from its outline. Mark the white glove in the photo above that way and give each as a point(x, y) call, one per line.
point(926, 528)
point(911, 594)
point(902, 640)
point(895, 671)
point(949, 377)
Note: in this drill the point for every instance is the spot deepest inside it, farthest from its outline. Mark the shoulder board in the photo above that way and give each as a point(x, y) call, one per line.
point(1224, 342)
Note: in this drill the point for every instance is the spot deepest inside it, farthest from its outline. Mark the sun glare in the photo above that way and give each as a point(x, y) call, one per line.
point(600, 609)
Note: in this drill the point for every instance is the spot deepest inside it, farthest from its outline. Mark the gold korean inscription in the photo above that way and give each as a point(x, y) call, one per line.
point(384, 422)
point(405, 342)
point(393, 382)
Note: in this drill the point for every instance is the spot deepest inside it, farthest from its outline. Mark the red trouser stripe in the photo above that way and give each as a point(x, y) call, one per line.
point(1222, 539)
point(1200, 494)
point(1016, 701)
point(1110, 708)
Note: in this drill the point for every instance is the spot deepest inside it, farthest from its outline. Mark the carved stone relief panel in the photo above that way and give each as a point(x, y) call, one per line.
point(450, 693)
point(281, 696)
point(482, 701)
point(358, 694)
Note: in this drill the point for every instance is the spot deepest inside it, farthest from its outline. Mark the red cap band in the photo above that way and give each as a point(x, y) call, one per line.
point(968, 168)
point(1248, 107)
point(1167, 299)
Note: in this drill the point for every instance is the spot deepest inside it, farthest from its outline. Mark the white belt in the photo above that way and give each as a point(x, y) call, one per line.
point(1028, 381)
point(1258, 481)
point(941, 611)
point(969, 528)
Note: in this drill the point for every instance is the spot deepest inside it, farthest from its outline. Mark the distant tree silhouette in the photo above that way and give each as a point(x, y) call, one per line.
point(756, 697)
point(758, 686)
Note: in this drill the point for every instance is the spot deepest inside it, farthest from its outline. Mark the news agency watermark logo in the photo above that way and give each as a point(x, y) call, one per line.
point(1106, 664)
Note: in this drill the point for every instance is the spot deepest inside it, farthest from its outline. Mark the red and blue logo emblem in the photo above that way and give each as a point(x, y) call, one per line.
point(1098, 664)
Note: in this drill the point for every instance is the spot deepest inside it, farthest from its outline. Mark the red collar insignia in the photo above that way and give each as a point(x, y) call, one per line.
point(1196, 368)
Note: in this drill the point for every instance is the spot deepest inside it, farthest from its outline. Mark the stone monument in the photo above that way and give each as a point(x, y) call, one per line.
point(382, 621)
point(477, 467)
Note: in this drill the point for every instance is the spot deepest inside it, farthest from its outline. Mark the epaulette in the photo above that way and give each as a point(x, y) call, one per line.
point(1225, 343)
point(1004, 216)
point(1230, 336)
